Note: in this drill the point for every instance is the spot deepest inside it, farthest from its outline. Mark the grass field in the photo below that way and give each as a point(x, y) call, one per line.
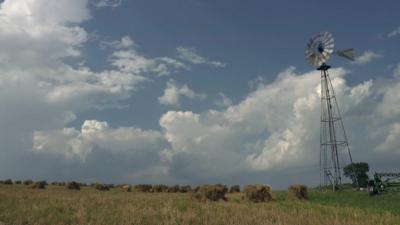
point(56, 205)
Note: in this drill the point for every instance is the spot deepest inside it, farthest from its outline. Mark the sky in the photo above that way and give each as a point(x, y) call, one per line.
point(191, 91)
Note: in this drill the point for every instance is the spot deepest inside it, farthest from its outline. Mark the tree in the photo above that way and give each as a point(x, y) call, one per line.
point(357, 172)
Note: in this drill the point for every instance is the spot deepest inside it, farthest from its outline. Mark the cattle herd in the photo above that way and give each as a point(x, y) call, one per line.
point(202, 193)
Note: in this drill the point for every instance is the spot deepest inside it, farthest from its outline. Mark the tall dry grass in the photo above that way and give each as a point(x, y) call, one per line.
point(56, 205)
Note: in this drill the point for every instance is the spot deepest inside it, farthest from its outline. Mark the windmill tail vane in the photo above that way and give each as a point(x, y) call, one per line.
point(347, 53)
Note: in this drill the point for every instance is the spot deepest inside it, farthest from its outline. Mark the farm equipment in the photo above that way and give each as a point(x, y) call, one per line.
point(384, 183)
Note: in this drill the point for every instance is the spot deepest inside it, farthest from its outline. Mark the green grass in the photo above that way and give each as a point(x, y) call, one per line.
point(350, 198)
point(361, 200)
point(56, 205)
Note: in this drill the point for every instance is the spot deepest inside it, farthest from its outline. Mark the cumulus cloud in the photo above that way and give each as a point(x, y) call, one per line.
point(173, 63)
point(72, 143)
point(126, 58)
point(392, 141)
point(36, 40)
point(173, 94)
point(38, 33)
point(273, 130)
point(125, 42)
point(258, 133)
point(276, 128)
point(42, 89)
point(191, 55)
point(107, 3)
point(397, 71)
point(39, 12)
point(390, 96)
point(98, 152)
point(394, 32)
point(367, 57)
point(223, 100)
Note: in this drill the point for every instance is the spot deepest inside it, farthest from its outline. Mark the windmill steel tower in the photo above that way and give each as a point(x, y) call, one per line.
point(333, 139)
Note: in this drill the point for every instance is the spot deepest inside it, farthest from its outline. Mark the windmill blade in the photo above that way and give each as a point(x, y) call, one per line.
point(347, 53)
point(321, 59)
point(308, 54)
point(311, 58)
point(329, 43)
point(329, 46)
point(319, 48)
point(326, 56)
point(327, 38)
point(319, 35)
point(309, 43)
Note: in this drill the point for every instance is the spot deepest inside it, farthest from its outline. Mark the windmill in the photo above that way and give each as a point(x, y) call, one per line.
point(334, 147)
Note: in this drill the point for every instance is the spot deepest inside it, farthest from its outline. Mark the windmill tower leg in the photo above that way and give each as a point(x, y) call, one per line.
point(333, 139)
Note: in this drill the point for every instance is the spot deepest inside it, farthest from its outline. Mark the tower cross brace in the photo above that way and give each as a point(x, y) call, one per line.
point(333, 138)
